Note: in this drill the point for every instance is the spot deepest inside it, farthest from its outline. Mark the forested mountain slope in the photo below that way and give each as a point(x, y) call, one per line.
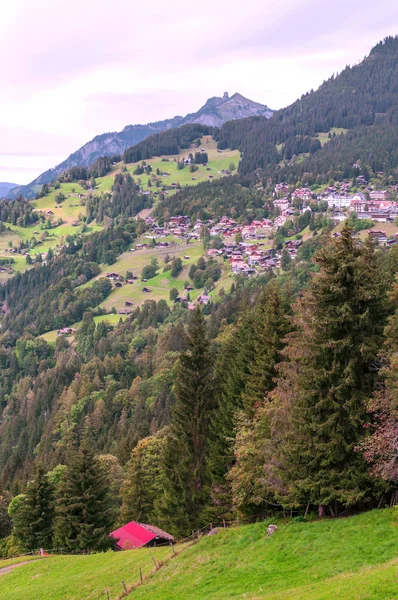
point(365, 94)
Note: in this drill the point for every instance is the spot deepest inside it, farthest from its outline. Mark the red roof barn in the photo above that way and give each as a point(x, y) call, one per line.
point(136, 535)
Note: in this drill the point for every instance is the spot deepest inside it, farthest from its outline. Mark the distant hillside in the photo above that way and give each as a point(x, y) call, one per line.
point(5, 188)
point(214, 113)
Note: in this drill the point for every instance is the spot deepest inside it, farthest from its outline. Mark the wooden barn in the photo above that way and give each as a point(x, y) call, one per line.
point(137, 535)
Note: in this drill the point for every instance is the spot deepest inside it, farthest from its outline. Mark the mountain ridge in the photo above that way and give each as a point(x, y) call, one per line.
point(6, 187)
point(215, 112)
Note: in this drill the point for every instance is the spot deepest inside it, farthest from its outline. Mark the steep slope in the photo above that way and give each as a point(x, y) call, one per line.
point(305, 561)
point(362, 95)
point(215, 112)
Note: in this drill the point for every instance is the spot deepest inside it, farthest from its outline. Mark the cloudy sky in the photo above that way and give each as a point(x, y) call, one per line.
point(71, 70)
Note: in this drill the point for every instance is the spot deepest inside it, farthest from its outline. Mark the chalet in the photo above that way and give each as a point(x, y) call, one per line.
point(115, 276)
point(281, 189)
point(380, 195)
point(381, 236)
point(128, 303)
point(302, 194)
point(146, 289)
point(189, 288)
point(282, 204)
point(204, 299)
point(293, 244)
point(118, 284)
point(49, 212)
point(137, 535)
point(66, 331)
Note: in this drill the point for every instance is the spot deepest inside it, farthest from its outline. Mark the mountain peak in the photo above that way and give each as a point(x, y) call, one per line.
point(215, 112)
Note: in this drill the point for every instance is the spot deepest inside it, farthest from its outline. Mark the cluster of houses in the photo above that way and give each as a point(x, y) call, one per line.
point(377, 205)
point(120, 280)
point(251, 259)
point(368, 204)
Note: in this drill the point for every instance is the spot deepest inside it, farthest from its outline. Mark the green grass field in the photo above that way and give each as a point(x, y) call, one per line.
point(335, 559)
point(51, 336)
point(218, 161)
point(348, 559)
point(72, 208)
point(80, 577)
point(324, 137)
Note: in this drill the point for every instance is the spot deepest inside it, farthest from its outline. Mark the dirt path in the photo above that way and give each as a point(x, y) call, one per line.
point(5, 570)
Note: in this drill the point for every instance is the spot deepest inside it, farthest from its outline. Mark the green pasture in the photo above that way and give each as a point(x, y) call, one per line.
point(349, 559)
point(88, 577)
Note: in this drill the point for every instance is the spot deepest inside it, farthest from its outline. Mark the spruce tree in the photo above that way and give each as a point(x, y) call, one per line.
point(328, 375)
point(186, 453)
point(34, 518)
point(84, 510)
point(246, 369)
point(271, 324)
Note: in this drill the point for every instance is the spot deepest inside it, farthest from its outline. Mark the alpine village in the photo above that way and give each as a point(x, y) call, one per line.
point(199, 355)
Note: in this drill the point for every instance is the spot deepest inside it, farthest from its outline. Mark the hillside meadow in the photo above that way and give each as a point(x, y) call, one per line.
point(353, 558)
point(350, 559)
point(80, 577)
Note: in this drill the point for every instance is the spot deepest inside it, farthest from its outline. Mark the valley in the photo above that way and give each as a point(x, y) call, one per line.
point(198, 353)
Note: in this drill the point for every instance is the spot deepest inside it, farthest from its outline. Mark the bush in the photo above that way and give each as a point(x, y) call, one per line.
point(148, 272)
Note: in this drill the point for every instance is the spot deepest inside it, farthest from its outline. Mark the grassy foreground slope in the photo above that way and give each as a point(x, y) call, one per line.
point(79, 577)
point(347, 559)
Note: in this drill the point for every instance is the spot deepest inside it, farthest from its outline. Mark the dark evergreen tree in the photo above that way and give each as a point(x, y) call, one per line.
point(34, 522)
point(328, 376)
point(187, 448)
point(84, 510)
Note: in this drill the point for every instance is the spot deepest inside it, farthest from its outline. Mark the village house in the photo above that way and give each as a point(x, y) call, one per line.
point(380, 195)
point(302, 194)
point(282, 204)
point(281, 189)
point(66, 331)
point(137, 535)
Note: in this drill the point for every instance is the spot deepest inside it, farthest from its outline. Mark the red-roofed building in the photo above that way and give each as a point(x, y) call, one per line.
point(136, 535)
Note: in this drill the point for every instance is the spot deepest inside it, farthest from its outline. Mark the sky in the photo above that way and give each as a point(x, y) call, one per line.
point(72, 70)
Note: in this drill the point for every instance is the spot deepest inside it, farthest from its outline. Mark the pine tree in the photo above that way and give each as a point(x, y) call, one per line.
point(271, 324)
point(186, 453)
point(84, 511)
point(328, 376)
point(34, 518)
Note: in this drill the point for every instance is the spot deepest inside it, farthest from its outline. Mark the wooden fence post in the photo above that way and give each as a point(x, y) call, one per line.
point(174, 550)
point(124, 587)
point(107, 595)
point(154, 562)
point(141, 577)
